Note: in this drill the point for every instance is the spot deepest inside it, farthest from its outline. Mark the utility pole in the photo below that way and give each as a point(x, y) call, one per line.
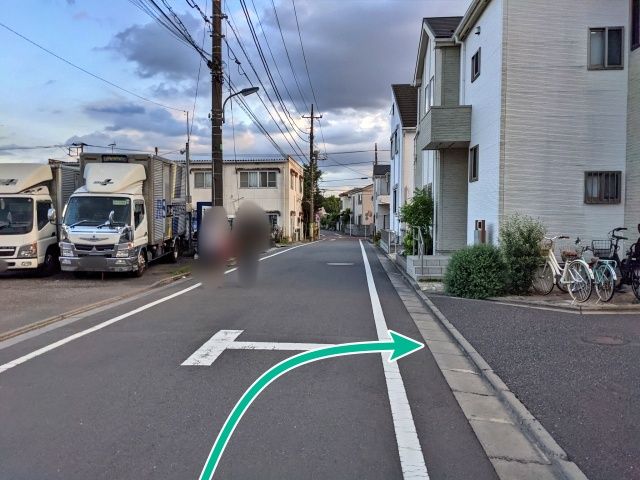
point(375, 161)
point(215, 65)
point(312, 165)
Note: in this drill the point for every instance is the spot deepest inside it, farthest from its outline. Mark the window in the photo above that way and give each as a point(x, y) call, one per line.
point(42, 209)
point(359, 199)
point(395, 141)
point(429, 95)
point(202, 180)
point(395, 200)
point(606, 49)
point(273, 220)
point(391, 146)
point(635, 24)
point(359, 220)
point(138, 213)
point(474, 159)
point(258, 180)
point(293, 181)
point(602, 187)
point(475, 66)
point(301, 184)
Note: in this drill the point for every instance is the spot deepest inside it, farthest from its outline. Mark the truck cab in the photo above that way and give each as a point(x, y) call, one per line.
point(28, 240)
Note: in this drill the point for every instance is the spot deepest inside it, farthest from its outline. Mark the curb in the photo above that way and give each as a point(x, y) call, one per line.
point(529, 424)
point(579, 308)
point(86, 308)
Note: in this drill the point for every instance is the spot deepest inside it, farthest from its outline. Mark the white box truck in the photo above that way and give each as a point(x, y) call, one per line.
point(29, 194)
point(130, 210)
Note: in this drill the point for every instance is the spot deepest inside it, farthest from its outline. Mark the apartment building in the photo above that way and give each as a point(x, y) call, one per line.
point(632, 184)
point(403, 120)
point(274, 184)
point(527, 107)
point(381, 182)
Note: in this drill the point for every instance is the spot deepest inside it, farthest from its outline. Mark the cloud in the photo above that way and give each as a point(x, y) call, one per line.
point(122, 109)
point(156, 53)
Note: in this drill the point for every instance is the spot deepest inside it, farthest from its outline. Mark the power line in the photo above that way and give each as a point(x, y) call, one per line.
point(88, 72)
point(195, 98)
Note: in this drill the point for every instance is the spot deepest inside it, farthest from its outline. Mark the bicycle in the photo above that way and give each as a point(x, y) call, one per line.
point(575, 276)
point(627, 269)
point(604, 275)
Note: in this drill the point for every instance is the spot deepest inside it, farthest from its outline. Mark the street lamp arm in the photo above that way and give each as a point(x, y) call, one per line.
point(244, 92)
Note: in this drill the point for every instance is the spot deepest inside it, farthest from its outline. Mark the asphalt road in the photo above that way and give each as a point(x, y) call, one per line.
point(117, 403)
point(586, 394)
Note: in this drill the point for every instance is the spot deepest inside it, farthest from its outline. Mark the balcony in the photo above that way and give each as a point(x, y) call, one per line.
point(382, 199)
point(445, 127)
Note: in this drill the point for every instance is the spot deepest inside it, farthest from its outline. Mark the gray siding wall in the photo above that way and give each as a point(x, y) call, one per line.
point(632, 202)
point(449, 67)
point(559, 118)
point(451, 199)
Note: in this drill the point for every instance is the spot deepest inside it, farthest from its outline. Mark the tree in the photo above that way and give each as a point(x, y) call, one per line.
point(331, 204)
point(419, 213)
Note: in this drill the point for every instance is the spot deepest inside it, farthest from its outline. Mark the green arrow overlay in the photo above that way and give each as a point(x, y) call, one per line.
point(399, 346)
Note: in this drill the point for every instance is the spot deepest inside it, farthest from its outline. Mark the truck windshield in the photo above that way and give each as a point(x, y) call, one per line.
point(93, 211)
point(16, 215)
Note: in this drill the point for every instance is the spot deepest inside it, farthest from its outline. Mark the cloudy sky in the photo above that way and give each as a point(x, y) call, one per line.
point(355, 49)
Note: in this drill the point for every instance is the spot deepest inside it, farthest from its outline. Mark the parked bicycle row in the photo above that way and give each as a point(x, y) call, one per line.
point(585, 268)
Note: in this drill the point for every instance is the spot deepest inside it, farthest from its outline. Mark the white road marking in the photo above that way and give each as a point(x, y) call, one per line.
point(225, 340)
point(411, 457)
point(337, 264)
point(100, 326)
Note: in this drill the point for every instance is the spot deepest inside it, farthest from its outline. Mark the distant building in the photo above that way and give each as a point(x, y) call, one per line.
point(274, 184)
point(360, 202)
point(381, 180)
point(404, 113)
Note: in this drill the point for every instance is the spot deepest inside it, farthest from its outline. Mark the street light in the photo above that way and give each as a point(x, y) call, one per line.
point(244, 92)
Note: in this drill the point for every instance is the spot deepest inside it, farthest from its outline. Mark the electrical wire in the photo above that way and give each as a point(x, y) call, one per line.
point(68, 62)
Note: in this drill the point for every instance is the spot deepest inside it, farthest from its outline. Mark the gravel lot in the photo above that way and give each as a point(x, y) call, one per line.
point(25, 298)
point(578, 374)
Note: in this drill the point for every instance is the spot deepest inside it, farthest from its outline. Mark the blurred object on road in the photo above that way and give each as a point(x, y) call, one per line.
point(251, 234)
point(214, 243)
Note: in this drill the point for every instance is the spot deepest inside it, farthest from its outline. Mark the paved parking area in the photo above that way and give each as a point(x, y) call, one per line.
point(26, 298)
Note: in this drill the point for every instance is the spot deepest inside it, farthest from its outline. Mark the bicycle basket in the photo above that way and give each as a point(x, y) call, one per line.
point(602, 248)
point(568, 255)
point(545, 245)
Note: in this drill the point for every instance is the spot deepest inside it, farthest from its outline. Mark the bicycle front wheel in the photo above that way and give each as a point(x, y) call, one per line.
point(605, 282)
point(579, 281)
point(543, 279)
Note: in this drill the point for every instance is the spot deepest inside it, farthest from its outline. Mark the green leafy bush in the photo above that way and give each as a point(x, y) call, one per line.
point(475, 272)
point(418, 212)
point(407, 242)
point(520, 237)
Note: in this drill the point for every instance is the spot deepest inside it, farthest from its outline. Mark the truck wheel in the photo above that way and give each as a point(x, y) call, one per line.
point(174, 255)
point(142, 263)
point(50, 265)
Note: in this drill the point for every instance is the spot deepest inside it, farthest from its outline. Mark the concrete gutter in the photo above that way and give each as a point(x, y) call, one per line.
point(85, 308)
point(528, 424)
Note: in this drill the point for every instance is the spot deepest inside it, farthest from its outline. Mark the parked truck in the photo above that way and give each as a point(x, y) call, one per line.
point(29, 193)
point(130, 210)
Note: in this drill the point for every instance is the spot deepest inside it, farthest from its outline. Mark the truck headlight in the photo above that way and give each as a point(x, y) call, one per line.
point(66, 250)
point(28, 251)
point(124, 250)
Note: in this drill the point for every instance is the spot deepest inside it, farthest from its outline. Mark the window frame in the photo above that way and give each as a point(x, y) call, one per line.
point(603, 178)
point(45, 220)
point(254, 179)
point(204, 176)
point(476, 61)
point(474, 163)
point(605, 65)
point(137, 203)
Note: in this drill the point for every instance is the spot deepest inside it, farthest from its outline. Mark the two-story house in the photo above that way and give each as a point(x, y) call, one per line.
point(274, 184)
point(632, 184)
point(403, 118)
point(360, 202)
point(381, 181)
point(527, 107)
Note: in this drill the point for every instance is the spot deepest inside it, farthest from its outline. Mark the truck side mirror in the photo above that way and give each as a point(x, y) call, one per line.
point(51, 215)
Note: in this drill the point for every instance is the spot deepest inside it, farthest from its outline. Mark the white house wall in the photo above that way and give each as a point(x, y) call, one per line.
point(632, 201)
point(485, 97)
point(561, 119)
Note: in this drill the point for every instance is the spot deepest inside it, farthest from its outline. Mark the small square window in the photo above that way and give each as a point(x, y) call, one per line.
point(202, 180)
point(474, 161)
point(635, 24)
point(475, 65)
point(606, 48)
point(271, 180)
point(602, 187)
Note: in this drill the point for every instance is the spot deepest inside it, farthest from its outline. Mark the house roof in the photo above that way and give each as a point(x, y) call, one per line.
point(381, 170)
point(356, 190)
point(406, 97)
point(194, 161)
point(470, 18)
point(442, 27)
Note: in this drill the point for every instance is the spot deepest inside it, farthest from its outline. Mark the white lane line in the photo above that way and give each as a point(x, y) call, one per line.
point(411, 457)
point(100, 326)
point(225, 340)
point(339, 264)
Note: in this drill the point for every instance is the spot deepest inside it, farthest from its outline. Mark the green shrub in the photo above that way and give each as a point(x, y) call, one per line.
point(475, 272)
point(407, 242)
point(418, 212)
point(520, 237)
point(376, 238)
